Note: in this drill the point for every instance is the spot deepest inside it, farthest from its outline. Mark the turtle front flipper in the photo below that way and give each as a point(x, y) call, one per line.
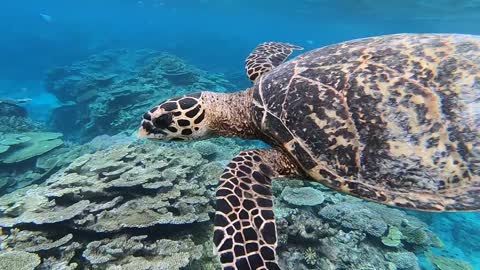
point(266, 56)
point(245, 234)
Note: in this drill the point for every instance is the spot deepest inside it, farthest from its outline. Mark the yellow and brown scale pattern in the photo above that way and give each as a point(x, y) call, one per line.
point(394, 119)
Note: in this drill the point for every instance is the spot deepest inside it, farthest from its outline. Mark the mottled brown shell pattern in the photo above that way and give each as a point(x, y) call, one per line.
point(394, 119)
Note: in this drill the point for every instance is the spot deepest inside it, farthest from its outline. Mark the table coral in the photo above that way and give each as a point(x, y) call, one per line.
point(304, 196)
point(24, 146)
point(18, 260)
point(115, 191)
point(393, 238)
point(122, 253)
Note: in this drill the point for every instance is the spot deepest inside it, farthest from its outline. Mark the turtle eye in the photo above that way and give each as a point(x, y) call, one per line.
point(163, 121)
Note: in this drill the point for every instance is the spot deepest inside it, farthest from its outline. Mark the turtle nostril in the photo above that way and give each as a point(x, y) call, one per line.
point(147, 116)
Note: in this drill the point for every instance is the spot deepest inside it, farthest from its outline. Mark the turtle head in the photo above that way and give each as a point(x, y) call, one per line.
point(181, 118)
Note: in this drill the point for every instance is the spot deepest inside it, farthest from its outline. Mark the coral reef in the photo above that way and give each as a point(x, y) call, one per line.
point(34, 162)
point(14, 118)
point(120, 253)
point(13, 124)
point(357, 217)
point(107, 92)
point(346, 233)
point(105, 199)
point(139, 205)
point(24, 146)
point(18, 154)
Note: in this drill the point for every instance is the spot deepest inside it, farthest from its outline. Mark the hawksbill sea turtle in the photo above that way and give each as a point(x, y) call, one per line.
point(393, 119)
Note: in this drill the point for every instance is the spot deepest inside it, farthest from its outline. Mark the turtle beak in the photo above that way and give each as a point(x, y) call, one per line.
point(142, 133)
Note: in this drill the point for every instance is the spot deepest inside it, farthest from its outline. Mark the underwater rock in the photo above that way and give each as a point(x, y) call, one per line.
point(304, 196)
point(9, 107)
point(18, 260)
point(106, 92)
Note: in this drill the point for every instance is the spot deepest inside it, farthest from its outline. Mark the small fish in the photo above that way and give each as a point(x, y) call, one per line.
point(46, 17)
point(310, 42)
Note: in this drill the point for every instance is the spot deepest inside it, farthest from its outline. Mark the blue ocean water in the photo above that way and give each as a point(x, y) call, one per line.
point(212, 35)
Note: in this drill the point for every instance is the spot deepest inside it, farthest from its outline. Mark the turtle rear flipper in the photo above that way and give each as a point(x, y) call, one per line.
point(245, 234)
point(266, 56)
